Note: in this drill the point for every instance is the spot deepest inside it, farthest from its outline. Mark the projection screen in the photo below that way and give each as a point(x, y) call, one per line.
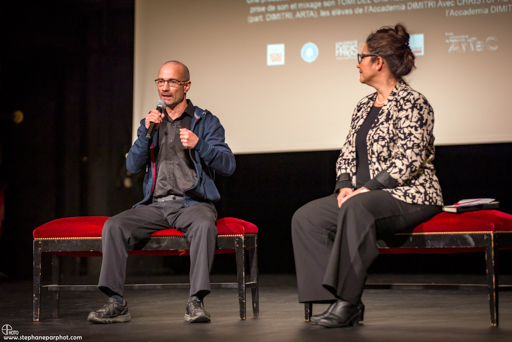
point(281, 74)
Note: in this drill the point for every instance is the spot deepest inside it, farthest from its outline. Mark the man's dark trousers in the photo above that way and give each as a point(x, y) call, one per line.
point(196, 222)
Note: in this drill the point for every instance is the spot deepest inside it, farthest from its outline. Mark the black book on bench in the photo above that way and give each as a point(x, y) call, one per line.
point(472, 205)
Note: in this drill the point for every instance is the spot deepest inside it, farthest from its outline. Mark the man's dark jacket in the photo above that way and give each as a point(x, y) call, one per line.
point(211, 154)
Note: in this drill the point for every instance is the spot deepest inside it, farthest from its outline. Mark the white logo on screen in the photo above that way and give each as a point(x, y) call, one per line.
point(417, 45)
point(309, 52)
point(346, 49)
point(275, 54)
point(465, 43)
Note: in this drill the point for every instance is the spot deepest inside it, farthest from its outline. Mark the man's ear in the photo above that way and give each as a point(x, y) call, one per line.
point(187, 87)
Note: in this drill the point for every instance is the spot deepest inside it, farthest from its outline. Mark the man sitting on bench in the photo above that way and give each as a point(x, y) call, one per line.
point(180, 160)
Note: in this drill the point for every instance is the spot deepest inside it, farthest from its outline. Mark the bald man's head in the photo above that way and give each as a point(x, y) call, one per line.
point(175, 84)
point(185, 74)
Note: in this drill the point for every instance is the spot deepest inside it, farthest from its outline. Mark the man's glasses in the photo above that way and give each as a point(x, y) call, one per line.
point(160, 82)
point(360, 56)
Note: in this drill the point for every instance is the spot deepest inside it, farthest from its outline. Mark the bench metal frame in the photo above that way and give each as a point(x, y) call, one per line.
point(490, 241)
point(239, 243)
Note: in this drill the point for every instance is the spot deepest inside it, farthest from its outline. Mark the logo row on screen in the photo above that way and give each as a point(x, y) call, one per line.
point(343, 50)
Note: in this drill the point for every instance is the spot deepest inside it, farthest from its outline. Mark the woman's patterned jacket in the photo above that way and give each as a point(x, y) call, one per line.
point(400, 148)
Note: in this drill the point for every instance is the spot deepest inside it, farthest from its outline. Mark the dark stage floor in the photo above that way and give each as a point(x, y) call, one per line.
point(391, 315)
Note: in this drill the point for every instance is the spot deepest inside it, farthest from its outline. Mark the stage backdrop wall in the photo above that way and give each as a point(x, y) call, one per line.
point(281, 74)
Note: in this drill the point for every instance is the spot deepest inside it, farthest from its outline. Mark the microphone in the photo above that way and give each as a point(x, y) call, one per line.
point(160, 106)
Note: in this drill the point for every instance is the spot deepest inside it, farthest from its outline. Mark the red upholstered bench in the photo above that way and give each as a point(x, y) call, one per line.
point(476, 231)
point(81, 236)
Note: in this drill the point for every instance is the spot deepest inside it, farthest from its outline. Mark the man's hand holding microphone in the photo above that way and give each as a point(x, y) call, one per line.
point(155, 118)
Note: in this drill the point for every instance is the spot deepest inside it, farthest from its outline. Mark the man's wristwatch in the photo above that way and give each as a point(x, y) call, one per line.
point(364, 190)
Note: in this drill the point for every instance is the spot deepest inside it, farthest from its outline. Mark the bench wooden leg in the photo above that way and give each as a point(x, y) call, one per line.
point(36, 291)
point(240, 274)
point(253, 260)
point(55, 281)
point(491, 257)
point(308, 311)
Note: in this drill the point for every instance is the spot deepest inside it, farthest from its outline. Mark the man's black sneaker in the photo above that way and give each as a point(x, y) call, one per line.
point(112, 312)
point(195, 312)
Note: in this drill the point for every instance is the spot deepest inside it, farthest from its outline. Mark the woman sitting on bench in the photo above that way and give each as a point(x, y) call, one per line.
point(386, 183)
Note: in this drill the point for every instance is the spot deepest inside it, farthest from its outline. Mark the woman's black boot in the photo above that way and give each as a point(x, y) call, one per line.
point(316, 318)
point(342, 315)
